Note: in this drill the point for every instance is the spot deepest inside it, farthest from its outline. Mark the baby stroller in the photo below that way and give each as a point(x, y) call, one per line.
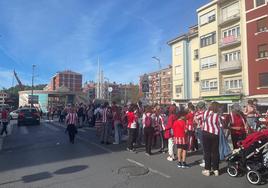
point(251, 158)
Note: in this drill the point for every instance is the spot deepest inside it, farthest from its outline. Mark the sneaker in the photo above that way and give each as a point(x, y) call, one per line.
point(216, 172)
point(128, 149)
point(169, 158)
point(148, 154)
point(206, 172)
point(115, 143)
point(184, 165)
point(179, 165)
point(202, 164)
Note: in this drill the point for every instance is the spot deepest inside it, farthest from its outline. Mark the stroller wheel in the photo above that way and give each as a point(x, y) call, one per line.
point(232, 171)
point(254, 177)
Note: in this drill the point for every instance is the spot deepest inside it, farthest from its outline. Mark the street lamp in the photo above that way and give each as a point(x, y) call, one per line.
point(32, 85)
point(160, 85)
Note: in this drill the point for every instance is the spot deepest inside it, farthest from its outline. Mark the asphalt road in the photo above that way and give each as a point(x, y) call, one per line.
point(41, 156)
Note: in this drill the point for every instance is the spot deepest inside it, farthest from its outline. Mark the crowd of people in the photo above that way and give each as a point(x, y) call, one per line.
point(173, 129)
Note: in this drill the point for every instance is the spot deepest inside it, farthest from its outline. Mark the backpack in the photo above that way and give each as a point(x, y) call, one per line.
point(148, 121)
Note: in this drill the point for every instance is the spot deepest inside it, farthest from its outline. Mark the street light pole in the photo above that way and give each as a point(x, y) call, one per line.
point(160, 74)
point(32, 85)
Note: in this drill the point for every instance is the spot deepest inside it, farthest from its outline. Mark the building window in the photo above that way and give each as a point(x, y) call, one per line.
point(263, 51)
point(178, 70)
point(178, 89)
point(233, 84)
point(207, 18)
point(262, 25)
point(196, 54)
point(234, 31)
point(233, 56)
point(263, 79)
point(178, 50)
point(259, 3)
point(208, 85)
point(208, 62)
point(230, 11)
point(207, 40)
point(196, 76)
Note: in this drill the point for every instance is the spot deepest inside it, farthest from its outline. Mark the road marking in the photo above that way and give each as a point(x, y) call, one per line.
point(51, 127)
point(81, 130)
point(135, 162)
point(24, 130)
point(94, 144)
point(151, 170)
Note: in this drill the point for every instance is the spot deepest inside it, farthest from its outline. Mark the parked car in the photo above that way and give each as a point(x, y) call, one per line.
point(28, 116)
point(14, 114)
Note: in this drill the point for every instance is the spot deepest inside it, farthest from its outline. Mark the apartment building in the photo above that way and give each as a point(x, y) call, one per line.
point(160, 86)
point(185, 63)
point(257, 51)
point(3, 97)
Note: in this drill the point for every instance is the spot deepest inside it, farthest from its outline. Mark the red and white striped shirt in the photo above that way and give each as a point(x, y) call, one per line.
point(71, 118)
point(212, 122)
point(190, 121)
point(199, 117)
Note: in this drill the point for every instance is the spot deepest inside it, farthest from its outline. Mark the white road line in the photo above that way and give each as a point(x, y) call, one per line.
point(94, 144)
point(151, 170)
point(135, 162)
point(24, 130)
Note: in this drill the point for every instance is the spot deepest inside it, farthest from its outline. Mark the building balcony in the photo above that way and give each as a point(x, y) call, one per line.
point(230, 41)
point(230, 66)
point(232, 91)
point(229, 19)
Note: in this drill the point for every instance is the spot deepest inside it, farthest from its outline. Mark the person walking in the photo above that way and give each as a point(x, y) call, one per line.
point(159, 124)
point(211, 131)
point(250, 112)
point(5, 121)
point(238, 125)
point(190, 128)
point(172, 117)
point(80, 114)
point(71, 121)
point(116, 123)
point(148, 130)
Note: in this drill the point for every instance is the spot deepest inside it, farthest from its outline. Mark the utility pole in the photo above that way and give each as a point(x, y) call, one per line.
point(32, 85)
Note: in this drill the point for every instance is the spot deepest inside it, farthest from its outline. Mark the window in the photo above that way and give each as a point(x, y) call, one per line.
point(208, 17)
point(178, 70)
point(263, 79)
point(230, 11)
point(208, 39)
point(262, 25)
point(233, 83)
point(259, 3)
point(263, 51)
point(178, 50)
point(234, 31)
point(196, 54)
point(233, 56)
point(196, 76)
point(208, 62)
point(207, 85)
point(178, 89)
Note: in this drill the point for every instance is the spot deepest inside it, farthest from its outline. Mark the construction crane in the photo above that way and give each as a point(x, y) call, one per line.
point(18, 80)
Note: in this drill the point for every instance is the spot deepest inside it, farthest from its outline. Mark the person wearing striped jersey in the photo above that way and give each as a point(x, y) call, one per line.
point(190, 128)
point(238, 125)
point(160, 127)
point(71, 121)
point(211, 131)
point(179, 131)
point(198, 119)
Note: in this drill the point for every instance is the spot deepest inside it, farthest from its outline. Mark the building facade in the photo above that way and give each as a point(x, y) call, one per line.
point(3, 97)
point(185, 55)
point(257, 51)
point(66, 79)
point(160, 86)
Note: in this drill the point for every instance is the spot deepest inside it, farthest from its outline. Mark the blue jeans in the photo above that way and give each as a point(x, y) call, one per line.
point(117, 132)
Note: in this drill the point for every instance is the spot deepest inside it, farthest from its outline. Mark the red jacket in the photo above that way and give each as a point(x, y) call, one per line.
point(171, 119)
point(179, 128)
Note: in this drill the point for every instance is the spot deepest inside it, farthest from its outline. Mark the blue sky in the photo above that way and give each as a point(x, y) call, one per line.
point(57, 35)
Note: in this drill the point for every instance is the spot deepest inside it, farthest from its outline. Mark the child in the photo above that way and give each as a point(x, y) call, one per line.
point(179, 129)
